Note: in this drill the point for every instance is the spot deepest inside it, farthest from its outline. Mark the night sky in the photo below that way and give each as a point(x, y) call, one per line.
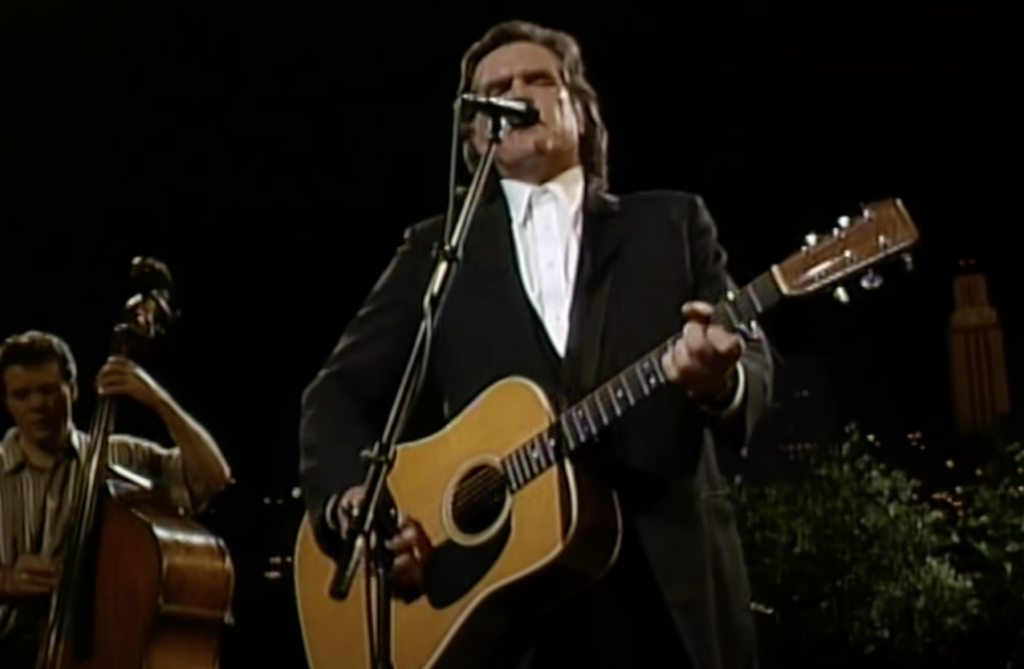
point(271, 155)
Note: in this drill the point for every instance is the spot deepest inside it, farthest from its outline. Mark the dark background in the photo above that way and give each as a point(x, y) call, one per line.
point(271, 154)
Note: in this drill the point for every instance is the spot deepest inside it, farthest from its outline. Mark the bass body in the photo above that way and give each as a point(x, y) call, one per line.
point(486, 574)
point(162, 589)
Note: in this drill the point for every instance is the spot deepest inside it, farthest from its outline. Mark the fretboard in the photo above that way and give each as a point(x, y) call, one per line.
point(581, 424)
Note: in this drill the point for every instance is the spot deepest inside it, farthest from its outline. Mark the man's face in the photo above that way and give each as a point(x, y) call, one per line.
point(39, 400)
point(533, 72)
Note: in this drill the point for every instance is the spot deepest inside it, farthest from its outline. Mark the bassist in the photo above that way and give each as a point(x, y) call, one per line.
point(41, 453)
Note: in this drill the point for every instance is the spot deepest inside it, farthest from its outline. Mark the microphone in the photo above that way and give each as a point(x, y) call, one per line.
point(518, 113)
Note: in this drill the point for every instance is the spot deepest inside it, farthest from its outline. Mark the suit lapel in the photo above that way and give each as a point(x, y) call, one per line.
point(498, 252)
point(602, 237)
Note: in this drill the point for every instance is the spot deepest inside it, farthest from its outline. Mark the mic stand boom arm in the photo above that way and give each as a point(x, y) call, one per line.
point(372, 521)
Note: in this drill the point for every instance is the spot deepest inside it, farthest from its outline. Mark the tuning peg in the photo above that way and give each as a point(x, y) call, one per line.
point(908, 262)
point(841, 295)
point(871, 280)
point(843, 222)
point(811, 239)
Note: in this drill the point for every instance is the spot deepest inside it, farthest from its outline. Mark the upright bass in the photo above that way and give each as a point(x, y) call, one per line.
point(141, 586)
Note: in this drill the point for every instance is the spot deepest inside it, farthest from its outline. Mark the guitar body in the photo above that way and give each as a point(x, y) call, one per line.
point(162, 591)
point(555, 537)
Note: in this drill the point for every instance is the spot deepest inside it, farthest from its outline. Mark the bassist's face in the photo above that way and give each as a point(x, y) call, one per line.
point(39, 400)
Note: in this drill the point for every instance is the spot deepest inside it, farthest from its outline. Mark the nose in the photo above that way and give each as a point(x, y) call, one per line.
point(517, 91)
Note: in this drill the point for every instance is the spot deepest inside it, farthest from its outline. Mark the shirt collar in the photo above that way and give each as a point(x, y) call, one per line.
point(12, 458)
point(568, 186)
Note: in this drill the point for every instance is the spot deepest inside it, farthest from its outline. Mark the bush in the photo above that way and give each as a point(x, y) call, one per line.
point(855, 567)
point(990, 525)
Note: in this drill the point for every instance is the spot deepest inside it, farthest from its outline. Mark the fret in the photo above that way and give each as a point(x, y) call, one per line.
point(643, 382)
point(659, 373)
point(653, 372)
point(622, 392)
point(570, 441)
point(525, 463)
point(552, 445)
point(624, 380)
point(580, 429)
point(515, 465)
point(636, 394)
point(513, 480)
point(615, 403)
point(536, 449)
point(585, 410)
point(605, 420)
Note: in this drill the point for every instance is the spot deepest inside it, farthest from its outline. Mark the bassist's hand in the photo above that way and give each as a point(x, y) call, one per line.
point(30, 576)
point(410, 545)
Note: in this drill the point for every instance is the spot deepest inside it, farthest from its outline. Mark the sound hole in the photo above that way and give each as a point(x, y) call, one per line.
point(479, 499)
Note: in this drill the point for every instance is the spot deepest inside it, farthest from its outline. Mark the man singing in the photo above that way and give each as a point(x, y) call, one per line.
point(43, 451)
point(547, 236)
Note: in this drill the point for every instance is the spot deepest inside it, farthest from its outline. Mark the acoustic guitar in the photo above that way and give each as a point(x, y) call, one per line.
point(516, 524)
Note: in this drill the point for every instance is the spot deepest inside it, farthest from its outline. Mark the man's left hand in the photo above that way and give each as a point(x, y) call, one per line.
point(121, 376)
point(703, 361)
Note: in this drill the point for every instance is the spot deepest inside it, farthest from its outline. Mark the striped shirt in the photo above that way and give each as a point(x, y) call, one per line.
point(34, 511)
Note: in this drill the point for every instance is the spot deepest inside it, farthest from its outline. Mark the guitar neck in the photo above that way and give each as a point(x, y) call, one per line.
point(581, 424)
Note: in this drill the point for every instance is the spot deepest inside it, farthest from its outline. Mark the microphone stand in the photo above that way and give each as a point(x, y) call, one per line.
point(376, 520)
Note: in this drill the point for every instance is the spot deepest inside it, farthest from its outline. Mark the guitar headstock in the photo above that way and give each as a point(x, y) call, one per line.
point(883, 229)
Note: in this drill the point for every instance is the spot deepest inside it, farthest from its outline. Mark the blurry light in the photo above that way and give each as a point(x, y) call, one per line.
point(275, 560)
point(296, 493)
point(266, 500)
point(871, 437)
point(949, 464)
point(978, 472)
point(272, 575)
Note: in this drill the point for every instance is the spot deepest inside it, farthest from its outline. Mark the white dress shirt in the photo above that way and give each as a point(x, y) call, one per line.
point(547, 222)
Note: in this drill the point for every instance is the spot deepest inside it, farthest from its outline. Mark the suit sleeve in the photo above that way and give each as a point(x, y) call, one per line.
point(345, 408)
point(708, 261)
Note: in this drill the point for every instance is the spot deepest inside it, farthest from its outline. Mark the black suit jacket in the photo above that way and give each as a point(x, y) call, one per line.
point(661, 250)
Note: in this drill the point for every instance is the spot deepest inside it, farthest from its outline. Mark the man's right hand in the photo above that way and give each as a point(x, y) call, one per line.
point(30, 576)
point(410, 545)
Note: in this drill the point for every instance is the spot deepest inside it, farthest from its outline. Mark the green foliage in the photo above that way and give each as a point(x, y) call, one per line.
point(992, 530)
point(851, 561)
